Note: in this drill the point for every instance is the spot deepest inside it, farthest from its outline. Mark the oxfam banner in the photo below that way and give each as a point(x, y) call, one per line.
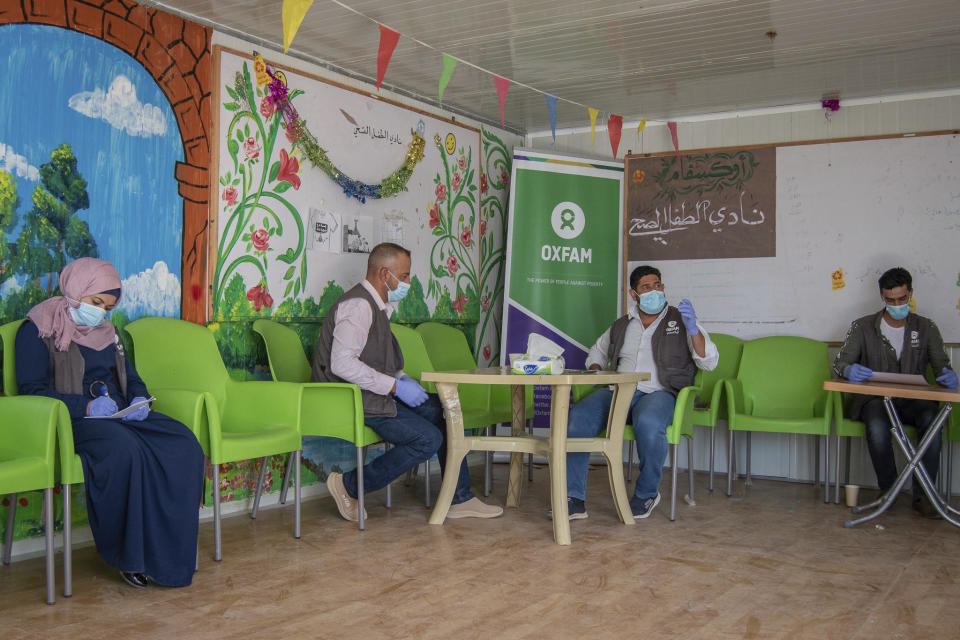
point(564, 252)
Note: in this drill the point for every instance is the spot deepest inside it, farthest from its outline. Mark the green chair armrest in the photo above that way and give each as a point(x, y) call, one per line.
point(733, 391)
point(255, 403)
point(716, 402)
point(185, 406)
point(28, 430)
point(335, 410)
point(682, 425)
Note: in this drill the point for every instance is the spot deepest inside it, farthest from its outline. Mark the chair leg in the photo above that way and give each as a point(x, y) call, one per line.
point(296, 495)
point(692, 499)
point(67, 542)
point(836, 470)
point(361, 458)
point(816, 461)
point(673, 482)
point(713, 442)
point(488, 466)
point(8, 537)
point(949, 470)
point(217, 555)
point(286, 479)
point(48, 534)
point(749, 479)
point(426, 483)
point(826, 468)
point(260, 478)
point(731, 463)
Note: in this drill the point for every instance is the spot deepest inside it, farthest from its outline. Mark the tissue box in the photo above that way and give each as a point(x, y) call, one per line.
point(538, 366)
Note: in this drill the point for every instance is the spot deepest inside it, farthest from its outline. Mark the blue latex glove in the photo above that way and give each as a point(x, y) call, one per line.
point(948, 378)
point(857, 372)
point(141, 413)
point(101, 406)
point(689, 317)
point(410, 392)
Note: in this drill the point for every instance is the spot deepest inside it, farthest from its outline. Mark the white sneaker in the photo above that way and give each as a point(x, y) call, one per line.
point(346, 505)
point(473, 508)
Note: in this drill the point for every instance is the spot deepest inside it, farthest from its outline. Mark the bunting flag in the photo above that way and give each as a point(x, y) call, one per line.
point(388, 42)
point(552, 109)
point(503, 85)
point(292, 15)
point(614, 127)
point(673, 136)
point(449, 64)
point(640, 128)
point(593, 123)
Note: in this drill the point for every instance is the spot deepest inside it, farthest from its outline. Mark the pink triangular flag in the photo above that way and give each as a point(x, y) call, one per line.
point(614, 127)
point(673, 136)
point(503, 85)
point(388, 42)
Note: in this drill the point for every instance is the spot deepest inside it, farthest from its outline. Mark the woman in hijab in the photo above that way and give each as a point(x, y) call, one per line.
point(143, 472)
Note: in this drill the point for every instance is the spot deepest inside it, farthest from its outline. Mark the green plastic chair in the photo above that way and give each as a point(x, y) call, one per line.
point(28, 432)
point(241, 420)
point(953, 435)
point(709, 404)
point(779, 389)
point(334, 410)
point(185, 406)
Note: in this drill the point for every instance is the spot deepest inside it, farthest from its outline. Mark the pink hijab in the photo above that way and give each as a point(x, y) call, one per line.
point(82, 277)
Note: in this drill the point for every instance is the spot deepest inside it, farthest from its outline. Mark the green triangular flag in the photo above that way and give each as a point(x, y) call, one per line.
point(449, 64)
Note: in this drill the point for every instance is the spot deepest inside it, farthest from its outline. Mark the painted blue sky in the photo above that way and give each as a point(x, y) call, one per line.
point(62, 86)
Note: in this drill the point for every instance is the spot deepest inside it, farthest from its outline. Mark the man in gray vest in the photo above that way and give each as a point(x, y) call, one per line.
point(652, 337)
point(357, 346)
point(895, 341)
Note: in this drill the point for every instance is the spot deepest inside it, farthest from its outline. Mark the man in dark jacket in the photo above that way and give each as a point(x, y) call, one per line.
point(894, 340)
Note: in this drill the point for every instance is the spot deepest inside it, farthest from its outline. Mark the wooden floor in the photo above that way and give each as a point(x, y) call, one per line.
point(773, 562)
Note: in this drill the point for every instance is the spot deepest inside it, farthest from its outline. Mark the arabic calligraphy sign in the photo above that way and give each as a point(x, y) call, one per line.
point(720, 204)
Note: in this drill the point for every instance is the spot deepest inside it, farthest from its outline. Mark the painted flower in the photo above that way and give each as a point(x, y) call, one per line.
point(486, 352)
point(465, 237)
point(230, 195)
point(292, 133)
point(505, 178)
point(434, 215)
point(441, 191)
point(484, 302)
point(259, 297)
point(457, 178)
point(250, 148)
point(483, 228)
point(261, 241)
point(266, 107)
point(452, 265)
point(483, 183)
point(5, 502)
point(462, 163)
point(289, 166)
point(23, 502)
point(460, 303)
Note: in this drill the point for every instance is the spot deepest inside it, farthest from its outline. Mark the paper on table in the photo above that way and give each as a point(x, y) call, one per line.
point(123, 413)
point(899, 378)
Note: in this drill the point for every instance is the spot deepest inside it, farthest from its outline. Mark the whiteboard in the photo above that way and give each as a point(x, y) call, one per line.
point(861, 206)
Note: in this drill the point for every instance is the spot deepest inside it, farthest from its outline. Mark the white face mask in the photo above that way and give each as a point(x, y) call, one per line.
point(398, 294)
point(88, 315)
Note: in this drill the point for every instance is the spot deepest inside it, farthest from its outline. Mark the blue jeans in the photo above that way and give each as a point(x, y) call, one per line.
point(650, 414)
point(416, 433)
point(920, 414)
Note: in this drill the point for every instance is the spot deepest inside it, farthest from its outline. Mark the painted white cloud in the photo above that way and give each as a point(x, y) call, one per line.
point(120, 107)
point(152, 292)
point(15, 164)
point(9, 286)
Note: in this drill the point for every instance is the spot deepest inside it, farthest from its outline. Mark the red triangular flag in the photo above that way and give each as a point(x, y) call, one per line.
point(614, 126)
point(388, 42)
point(503, 85)
point(673, 135)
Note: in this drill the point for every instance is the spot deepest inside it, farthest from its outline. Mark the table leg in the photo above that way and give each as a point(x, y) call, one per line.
point(456, 449)
point(515, 483)
point(559, 408)
point(616, 419)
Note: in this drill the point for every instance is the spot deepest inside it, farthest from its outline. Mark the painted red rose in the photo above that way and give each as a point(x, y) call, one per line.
point(483, 183)
point(465, 237)
point(250, 148)
point(441, 192)
point(230, 195)
point(462, 163)
point(460, 303)
point(434, 215)
point(289, 166)
point(259, 297)
point(292, 133)
point(486, 352)
point(504, 178)
point(483, 228)
point(452, 265)
point(260, 239)
point(457, 179)
point(23, 502)
point(266, 107)
point(6, 502)
point(484, 302)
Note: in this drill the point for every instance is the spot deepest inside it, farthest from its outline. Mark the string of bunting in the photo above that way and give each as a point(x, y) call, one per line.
point(301, 138)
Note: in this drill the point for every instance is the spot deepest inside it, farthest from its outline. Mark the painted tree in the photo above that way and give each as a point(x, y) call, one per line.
point(9, 202)
point(52, 230)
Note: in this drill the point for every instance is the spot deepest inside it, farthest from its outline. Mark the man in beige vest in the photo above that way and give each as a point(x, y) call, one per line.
point(357, 346)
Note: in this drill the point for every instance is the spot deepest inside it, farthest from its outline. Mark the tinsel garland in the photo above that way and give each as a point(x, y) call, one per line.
point(301, 138)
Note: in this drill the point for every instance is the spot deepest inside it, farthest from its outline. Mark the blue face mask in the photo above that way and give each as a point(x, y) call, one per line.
point(651, 302)
point(898, 312)
point(398, 294)
point(88, 315)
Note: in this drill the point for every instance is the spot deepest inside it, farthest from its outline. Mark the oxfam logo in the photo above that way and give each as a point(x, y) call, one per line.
point(567, 220)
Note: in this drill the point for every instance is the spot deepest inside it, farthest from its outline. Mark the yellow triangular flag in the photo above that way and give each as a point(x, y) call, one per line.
point(293, 13)
point(593, 123)
point(641, 127)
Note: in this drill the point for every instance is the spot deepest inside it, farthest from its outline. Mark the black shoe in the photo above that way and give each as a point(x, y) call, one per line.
point(137, 580)
point(576, 509)
point(643, 507)
point(924, 508)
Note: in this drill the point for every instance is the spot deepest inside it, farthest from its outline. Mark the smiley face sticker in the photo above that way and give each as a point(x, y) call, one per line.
point(451, 143)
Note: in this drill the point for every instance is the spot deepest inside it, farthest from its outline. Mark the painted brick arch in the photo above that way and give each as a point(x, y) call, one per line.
point(176, 53)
